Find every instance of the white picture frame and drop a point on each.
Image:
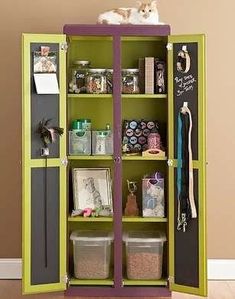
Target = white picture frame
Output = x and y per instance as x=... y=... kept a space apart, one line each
x=92 y=188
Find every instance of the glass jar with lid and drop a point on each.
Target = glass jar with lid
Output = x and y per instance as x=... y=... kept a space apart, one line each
x=79 y=73
x=109 y=76
x=96 y=81
x=130 y=81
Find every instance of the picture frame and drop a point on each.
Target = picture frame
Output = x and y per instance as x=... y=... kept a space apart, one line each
x=92 y=188
x=44 y=63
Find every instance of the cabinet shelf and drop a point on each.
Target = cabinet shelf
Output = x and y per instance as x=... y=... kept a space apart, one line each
x=110 y=219
x=141 y=38
x=90 y=157
x=75 y=281
x=109 y=157
x=90 y=219
x=159 y=282
x=141 y=158
x=110 y=96
x=144 y=96
x=143 y=219
x=90 y=95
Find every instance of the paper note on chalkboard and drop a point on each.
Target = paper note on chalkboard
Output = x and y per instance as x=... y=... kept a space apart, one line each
x=46 y=83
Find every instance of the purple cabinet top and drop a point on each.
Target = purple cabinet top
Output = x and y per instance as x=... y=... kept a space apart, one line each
x=93 y=29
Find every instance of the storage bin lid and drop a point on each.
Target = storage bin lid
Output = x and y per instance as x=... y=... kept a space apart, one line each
x=144 y=236
x=91 y=235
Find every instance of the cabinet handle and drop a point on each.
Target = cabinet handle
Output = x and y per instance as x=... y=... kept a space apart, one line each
x=64 y=162
x=117 y=160
x=170 y=162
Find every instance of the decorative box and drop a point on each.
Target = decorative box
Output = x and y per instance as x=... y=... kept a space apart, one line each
x=79 y=142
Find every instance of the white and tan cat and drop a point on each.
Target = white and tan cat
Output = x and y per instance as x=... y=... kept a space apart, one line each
x=144 y=14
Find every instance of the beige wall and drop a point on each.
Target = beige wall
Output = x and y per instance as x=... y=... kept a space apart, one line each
x=215 y=18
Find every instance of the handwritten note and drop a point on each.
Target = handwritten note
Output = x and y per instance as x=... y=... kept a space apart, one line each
x=184 y=84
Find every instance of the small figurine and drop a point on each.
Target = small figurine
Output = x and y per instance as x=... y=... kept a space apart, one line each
x=131 y=205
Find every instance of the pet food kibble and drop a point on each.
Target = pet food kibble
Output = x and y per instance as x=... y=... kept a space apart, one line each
x=144 y=265
x=91 y=254
x=144 y=251
x=91 y=265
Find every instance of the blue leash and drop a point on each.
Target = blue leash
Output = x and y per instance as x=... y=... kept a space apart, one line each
x=181 y=219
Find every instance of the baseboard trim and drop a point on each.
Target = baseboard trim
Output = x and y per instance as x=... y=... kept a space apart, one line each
x=223 y=269
x=10 y=268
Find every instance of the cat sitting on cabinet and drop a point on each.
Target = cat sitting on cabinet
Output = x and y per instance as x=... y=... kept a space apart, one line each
x=144 y=14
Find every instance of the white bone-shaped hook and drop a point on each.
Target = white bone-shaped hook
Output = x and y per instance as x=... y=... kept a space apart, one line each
x=184 y=48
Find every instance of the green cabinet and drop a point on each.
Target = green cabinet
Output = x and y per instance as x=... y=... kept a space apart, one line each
x=47 y=192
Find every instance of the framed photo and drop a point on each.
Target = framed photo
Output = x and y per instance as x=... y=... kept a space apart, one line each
x=44 y=64
x=92 y=188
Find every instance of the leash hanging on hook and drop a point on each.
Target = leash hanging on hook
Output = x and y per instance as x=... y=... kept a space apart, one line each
x=185 y=187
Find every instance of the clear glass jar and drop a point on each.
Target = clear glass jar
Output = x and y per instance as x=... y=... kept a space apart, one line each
x=130 y=81
x=109 y=76
x=96 y=81
x=79 y=73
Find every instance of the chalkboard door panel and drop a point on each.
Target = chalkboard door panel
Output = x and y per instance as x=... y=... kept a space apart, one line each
x=44 y=180
x=186 y=85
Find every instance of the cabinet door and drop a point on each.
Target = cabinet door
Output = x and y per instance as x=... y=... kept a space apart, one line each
x=186 y=83
x=44 y=180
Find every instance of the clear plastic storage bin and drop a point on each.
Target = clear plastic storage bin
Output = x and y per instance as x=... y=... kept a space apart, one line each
x=91 y=254
x=144 y=252
x=79 y=142
x=102 y=142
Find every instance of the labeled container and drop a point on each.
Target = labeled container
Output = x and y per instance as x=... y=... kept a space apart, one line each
x=91 y=254
x=79 y=72
x=102 y=142
x=96 y=81
x=144 y=254
x=130 y=81
x=79 y=142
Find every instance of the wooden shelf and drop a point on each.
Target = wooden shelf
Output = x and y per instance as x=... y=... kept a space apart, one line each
x=143 y=219
x=141 y=158
x=90 y=38
x=159 y=282
x=141 y=38
x=90 y=219
x=110 y=96
x=90 y=157
x=128 y=158
x=89 y=95
x=110 y=219
x=75 y=281
x=144 y=96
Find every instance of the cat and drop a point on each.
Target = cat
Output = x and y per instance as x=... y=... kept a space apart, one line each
x=145 y=14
